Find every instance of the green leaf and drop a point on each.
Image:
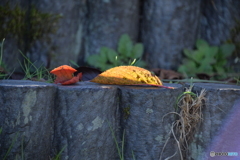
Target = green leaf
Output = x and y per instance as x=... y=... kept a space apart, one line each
x=103 y=57
x=140 y=63
x=198 y=56
x=201 y=43
x=96 y=61
x=188 y=53
x=227 y=49
x=93 y=59
x=221 y=62
x=205 y=67
x=110 y=54
x=125 y=46
x=213 y=51
x=189 y=67
x=137 y=50
x=219 y=70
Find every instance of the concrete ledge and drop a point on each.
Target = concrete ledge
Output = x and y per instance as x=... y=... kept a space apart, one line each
x=40 y=119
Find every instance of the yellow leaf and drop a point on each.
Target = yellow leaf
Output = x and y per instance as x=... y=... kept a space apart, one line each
x=127 y=75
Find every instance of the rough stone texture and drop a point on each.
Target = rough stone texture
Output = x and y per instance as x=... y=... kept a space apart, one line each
x=217 y=19
x=228 y=138
x=11 y=54
x=106 y=21
x=85 y=114
x=145 y=132
x=53 y=49
x=65 y=45
x=26 y=110
x=46 y=118
x=167 y=28
x=220 y=99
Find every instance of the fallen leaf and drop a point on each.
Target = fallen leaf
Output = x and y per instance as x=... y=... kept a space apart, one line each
x=88 y=73
x=128 y=75
x=64 y=75
x=75 y=79
x=166 y=74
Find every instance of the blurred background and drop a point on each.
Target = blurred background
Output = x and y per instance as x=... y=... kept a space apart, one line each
x=198 y=38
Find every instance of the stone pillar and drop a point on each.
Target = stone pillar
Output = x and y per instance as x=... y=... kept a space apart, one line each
x=64 y=45
x=168 y=27
x=106 y=21
x=85 y=116
x=217 y=20
x=146 y=132
x=26 y=112
x=220 y=99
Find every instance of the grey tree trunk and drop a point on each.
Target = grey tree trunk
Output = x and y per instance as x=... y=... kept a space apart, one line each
x=168 y=26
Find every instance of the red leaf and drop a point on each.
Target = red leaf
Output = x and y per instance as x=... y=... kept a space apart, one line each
x=64 y=75
x=73 y=80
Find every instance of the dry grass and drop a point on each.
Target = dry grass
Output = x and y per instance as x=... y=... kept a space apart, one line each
x=189 y=115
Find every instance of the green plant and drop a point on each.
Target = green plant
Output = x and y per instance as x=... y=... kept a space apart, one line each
x=11 y=146
x=58 y=156
x=74 y=63
x=127 y=54
x=237 y=80
x=206 y=59
x=188 y=116
x=126 y=112
x=120 y=150
x=35 y=73
x=1 y=53
x=3 y=75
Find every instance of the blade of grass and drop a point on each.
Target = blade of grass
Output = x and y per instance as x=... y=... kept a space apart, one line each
x=59 y=154
x=133 y=155
x=10 y=148
x=74 y=63
x=22 y=153
x=123 y=139
x=39 y=73
x=1 y=54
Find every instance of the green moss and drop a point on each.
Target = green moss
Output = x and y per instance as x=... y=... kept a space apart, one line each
x=126 y=112
x=26 y=25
